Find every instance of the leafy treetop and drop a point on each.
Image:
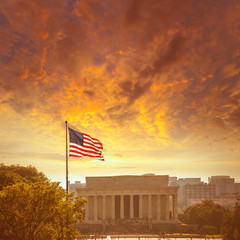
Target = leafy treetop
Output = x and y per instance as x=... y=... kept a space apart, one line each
x=33 y=208
x=12 y=174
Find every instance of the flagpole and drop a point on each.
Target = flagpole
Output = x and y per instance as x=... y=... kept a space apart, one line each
x=66 y=158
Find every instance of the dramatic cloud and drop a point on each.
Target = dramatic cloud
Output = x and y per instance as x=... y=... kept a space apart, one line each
x=171 y=56
x=145 y=76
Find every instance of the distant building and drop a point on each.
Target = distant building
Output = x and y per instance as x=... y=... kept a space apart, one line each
x=181 y=182
x=224 y=184
x=173 y=181
x=199 y=191
x=237 y=187
x=191 y=189
x=222 y=189
x=74 y=186
x=184 y=181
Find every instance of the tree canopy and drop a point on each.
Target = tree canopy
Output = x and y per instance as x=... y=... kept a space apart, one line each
x=231 y=226
x=12 y=174
x=213 y=218
x=206 y=213
x=34 y=208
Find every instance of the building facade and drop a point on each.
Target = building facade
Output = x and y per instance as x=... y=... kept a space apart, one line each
x=181 y=182
x=74 y=186
x=199 y=191
x=224 y=184
x=116 y=199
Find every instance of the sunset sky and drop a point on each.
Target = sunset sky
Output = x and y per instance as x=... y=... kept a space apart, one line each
x=156 y=81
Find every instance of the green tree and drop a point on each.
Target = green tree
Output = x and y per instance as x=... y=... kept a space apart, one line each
x=12 y=174
x=236 y=217
x=8 y=178
x=231 y=225
x=38 y=210
x=205 y=213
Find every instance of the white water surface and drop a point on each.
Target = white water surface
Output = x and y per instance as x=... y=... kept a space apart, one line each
x=150 y=238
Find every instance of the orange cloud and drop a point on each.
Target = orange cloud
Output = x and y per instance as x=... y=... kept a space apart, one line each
x=44 y=35
x=161 y=71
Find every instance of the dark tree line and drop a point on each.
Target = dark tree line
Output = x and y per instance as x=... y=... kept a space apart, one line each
x=212 y=218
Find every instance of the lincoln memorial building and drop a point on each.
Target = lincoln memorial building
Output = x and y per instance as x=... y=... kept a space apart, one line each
x=145 y=199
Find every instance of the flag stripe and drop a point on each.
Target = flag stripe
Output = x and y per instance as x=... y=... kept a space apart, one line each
x=82 y=145
x=79 y=155
x=82 y=150
x=86 y=143
x=85 y=153
x=88 y=136
x=73 y=154
x=94 y=143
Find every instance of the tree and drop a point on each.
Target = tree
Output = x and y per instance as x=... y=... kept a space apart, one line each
x=231 y=226
x=205 y=213
x=236 y=217
x=10 y=175
x=8 y=178
x=38 y=210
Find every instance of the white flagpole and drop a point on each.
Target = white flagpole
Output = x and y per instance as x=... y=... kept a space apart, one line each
x=66 y=157
x=67 y=166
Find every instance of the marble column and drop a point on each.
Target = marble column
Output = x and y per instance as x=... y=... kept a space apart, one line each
x=175 y=207
x=140 y=206
x=95 y=208
x=122 y=206
x=149 y=206
x=104 y=207
x=113 y=207
x=167 y=207
x=131 y=207
x=158 y=207
x=87 y=209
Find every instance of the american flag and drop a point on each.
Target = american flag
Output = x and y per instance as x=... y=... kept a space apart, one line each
x=83 y=145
